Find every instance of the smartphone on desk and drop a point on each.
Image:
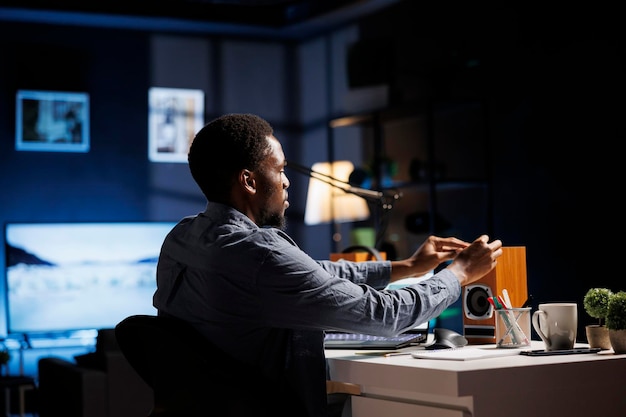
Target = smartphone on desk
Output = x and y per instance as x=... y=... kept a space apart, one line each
x=574 y=351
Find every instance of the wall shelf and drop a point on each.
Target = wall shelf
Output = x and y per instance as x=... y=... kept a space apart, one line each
x=429 y=153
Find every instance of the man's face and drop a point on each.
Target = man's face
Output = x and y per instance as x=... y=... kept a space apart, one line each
x=272 y=188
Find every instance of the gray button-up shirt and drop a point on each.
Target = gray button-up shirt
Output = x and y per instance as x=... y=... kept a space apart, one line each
x=237 y=283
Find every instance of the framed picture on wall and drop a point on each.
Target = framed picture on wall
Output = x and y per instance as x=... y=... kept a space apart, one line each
x=52 y=121
x=174 y=117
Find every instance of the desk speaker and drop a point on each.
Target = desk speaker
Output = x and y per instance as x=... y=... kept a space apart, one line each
x=479 y=325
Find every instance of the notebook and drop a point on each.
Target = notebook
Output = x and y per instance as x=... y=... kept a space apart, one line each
x=466 y=353
x=342 y=340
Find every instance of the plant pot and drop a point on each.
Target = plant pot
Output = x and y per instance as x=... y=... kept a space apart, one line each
x=598 y=336
x=618 y=340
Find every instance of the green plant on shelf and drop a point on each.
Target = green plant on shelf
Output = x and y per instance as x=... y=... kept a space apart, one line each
x=616 y=312
x=5 y=357
x=596 y=303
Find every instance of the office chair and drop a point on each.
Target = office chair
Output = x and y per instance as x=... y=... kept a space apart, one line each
x=191 y=377
x=173 y=360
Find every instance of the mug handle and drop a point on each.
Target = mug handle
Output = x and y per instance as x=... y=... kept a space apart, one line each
x=537 y=327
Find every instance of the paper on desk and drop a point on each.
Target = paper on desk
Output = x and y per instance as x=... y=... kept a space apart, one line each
x=465 y=353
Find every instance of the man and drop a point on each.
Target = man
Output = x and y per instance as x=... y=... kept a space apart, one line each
x=234 y=273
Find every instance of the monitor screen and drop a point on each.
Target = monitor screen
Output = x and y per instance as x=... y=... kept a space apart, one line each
x=63 y=277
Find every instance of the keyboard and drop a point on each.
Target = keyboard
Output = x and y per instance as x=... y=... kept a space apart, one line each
x=340 y=340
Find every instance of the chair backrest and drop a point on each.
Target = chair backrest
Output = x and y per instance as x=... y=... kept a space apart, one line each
x=192 y=377
x=173 y=360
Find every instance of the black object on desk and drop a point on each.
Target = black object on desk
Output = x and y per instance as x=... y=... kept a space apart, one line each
x=574 y=351
x=447 y=339
x=22 y=383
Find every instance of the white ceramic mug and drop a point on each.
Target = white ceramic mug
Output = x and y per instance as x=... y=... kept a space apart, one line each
x=556 y=324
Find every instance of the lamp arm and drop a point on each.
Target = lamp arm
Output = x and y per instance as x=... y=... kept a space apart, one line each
x=317 y=175
x=369 y=195
x=382 y=199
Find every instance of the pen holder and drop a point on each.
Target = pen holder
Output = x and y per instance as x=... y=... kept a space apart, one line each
x=513 y=327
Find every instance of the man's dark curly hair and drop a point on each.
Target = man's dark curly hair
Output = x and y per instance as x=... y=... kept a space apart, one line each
x=224 y=147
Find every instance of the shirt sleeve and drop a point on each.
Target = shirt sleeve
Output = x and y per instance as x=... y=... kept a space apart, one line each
x=304 y=293
x=376 y=274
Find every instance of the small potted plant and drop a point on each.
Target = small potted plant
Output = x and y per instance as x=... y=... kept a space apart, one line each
x=596 y=303
x=5 y=357
x=616 y=321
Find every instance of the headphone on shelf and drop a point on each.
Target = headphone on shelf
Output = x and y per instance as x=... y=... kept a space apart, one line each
x=362 y=248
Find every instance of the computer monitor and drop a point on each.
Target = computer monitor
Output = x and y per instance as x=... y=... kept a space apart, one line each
x=64 y=277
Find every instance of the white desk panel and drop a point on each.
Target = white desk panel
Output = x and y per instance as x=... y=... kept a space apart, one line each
x=566 y=385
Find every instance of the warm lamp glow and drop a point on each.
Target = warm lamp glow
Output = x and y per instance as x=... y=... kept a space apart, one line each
x=326 y=203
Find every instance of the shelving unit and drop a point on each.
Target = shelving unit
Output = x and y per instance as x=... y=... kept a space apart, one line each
x=437 y=157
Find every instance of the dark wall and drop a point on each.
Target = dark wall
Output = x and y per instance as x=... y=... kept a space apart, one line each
x=110 y=181
x=553 y=81
x=114 y=181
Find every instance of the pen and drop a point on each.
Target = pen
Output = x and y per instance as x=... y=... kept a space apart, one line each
x=528 y=301
x=503 y=305
x=383 y=354
x=511 y=321
x=507 y=300
x=505 y=294
x=507 y=319
x=386 y=355
x=509 y=329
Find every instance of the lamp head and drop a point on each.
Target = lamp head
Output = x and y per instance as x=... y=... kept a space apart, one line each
x=327 y=202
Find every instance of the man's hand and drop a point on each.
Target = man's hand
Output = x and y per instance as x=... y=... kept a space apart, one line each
x=428 y=256
x=477 y=260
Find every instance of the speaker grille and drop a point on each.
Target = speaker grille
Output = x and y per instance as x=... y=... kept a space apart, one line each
x=477 y=306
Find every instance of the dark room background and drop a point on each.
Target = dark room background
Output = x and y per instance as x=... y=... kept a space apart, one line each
x=550 y=85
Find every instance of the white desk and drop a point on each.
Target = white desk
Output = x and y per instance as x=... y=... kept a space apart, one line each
x=590 y=385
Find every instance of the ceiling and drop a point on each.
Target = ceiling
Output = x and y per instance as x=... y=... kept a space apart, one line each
x=286 y=18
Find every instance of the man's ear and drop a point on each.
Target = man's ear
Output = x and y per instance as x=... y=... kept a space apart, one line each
x=246 y=179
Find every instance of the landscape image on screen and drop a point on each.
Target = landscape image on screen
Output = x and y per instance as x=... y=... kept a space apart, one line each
x=78 y=276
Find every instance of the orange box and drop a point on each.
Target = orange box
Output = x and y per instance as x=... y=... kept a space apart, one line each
x=356 y=256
